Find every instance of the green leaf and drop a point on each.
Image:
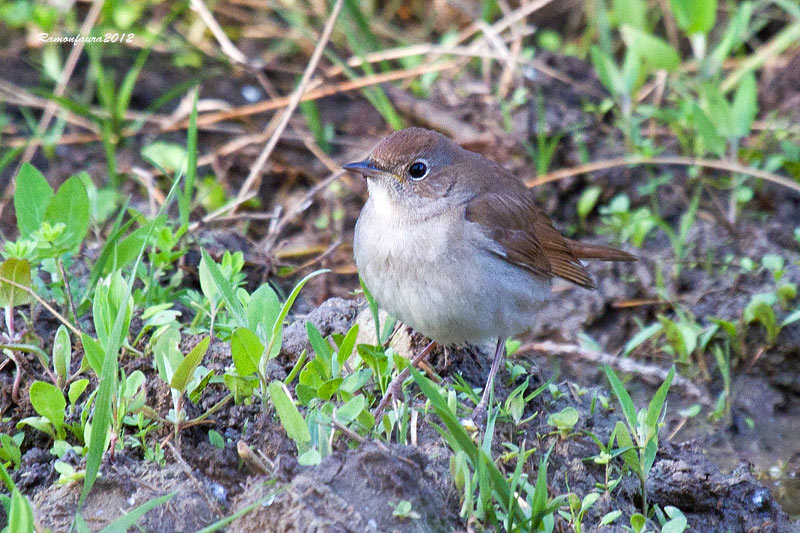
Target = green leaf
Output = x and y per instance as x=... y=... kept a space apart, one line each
x=110 y=300
x=322 y=349
x=745 y=106
x=246 y=350
x=630 y=12
x=70 y=206
x=275 y=339
x=791 y=318
x=18 y=271
x=610 y=517
x=310 y=457
x=588 y=200
x=677 y=522
x=329 y=388
x=638 y=522
x=655 y=53
x=625 y=442
x=93 y=353
x=62 y=353
x=564 y=419
x=185 y=371
x=695 y=16
x=225 y=289
x=608 y=72
x=641 y=337
x=622 y=395
x=350 y=411
x=20 y=514
x=76 y=388
x=185 y=199
x=347 y=345
x=734 y=36
x=263 y=309
x=167 y=156
x=31 y=198
x=48 y=401
x=681 y=335
x=291 y=419
x=657 y=402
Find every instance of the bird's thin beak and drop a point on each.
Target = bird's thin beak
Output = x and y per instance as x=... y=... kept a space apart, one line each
x=366 y=168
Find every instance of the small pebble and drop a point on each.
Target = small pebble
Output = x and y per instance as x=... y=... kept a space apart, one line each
x=251 y=93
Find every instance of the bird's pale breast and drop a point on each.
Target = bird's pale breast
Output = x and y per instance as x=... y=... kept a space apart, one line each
x=433 y=276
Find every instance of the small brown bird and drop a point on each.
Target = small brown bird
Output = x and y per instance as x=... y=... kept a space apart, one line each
x=453 y=244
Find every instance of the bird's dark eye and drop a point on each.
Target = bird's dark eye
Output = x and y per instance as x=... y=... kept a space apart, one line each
x=417 y=170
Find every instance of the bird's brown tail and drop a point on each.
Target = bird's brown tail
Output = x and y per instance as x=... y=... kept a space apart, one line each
x=582 y=250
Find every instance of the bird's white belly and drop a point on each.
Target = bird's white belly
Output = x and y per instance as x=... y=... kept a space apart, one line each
x=433 y=277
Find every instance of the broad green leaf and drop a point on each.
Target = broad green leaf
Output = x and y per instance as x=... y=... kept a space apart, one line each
x=185 y=371
x=695 y=16
x=62 y=353
x=655 y=53
x=20 y=514
x=246 y=350
x=70 y=206
x=48 y=401
x=630 y=12
x=290 y=417
x=31 y=198
x=19 y=272
x=76 y=388
x=167 y=156
x=610 y=517
x=310 y=457
x=350 y=411
x=564 y=419
x=625 y=441
x=263 y=308
x=93 y=353
x=588 y=201
x=329 y=388
x=638 y=521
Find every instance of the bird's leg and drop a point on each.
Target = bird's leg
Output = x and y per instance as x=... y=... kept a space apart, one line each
x=479 y=413
x=396 y=384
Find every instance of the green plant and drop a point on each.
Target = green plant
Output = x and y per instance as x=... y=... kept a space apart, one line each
x=639 y=432
x=564 y=421
x=259 y=329
x=578 y=508
x=183 y=374
x=326 y=393
x=497 y=499
x=605 y=457
x=10 y=452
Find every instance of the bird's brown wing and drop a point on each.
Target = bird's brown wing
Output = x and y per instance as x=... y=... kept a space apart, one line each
x=526 y=237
